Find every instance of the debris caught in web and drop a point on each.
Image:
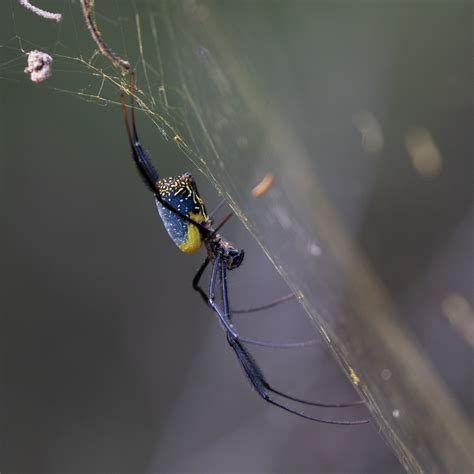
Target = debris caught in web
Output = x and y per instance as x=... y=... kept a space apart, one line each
x=39 y=66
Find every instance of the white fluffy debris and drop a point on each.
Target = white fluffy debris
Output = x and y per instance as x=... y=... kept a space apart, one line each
x=39 y=66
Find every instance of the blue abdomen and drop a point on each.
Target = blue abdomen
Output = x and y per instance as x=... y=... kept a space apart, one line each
x=182 y=194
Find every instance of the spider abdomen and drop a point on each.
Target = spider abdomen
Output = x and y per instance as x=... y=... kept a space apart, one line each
x=182 y=194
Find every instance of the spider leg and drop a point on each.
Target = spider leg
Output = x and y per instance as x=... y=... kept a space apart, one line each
x=227 y=324
x=272 y=304
x=254 y=369
x=225 y=299
x=223 y=222
x=257 y=308
x=200 y=271
x=216 y=209
x=143 y=163
x=197 y=278
x=324 y=405
x=256 y=378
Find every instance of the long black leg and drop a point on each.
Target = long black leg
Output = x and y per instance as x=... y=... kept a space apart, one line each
x=256 y=308
x=223 y=222
x=254 y=367
x=197 y=278
x=289 y=397
x=324 y=405
x=262 y=387
x=200 y=271
x=145 y=166
x=212 y=296
x=216 y=209
x=224 y=293
x=206 y=299
x=226 y=323
x=272 y=304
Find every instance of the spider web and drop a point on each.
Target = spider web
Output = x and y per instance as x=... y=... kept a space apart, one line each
x=200 y=84
x=80 y=70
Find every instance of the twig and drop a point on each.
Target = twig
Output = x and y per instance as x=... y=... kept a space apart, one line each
x=38 y=11
x=114 y=58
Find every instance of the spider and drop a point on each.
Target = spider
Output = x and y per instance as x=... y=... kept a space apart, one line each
x=187 y=222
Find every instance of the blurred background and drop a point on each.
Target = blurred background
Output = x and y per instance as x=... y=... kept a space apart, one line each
x=363 y=113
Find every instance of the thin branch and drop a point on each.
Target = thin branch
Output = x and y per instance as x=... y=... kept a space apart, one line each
x=114 y=58
x=38 y=11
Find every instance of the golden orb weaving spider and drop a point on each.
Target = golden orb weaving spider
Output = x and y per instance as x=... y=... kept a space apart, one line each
x=185 y=218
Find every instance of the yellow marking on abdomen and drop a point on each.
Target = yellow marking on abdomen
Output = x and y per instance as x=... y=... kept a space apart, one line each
x=194 y=238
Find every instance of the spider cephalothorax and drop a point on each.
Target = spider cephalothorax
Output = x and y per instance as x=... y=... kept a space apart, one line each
x=232 y=257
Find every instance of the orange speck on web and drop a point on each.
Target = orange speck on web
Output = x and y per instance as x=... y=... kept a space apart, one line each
x=263 y=186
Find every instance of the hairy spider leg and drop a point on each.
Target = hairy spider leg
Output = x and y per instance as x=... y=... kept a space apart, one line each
x=255 y=374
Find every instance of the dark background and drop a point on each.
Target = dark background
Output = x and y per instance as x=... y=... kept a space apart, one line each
x=109 y=361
